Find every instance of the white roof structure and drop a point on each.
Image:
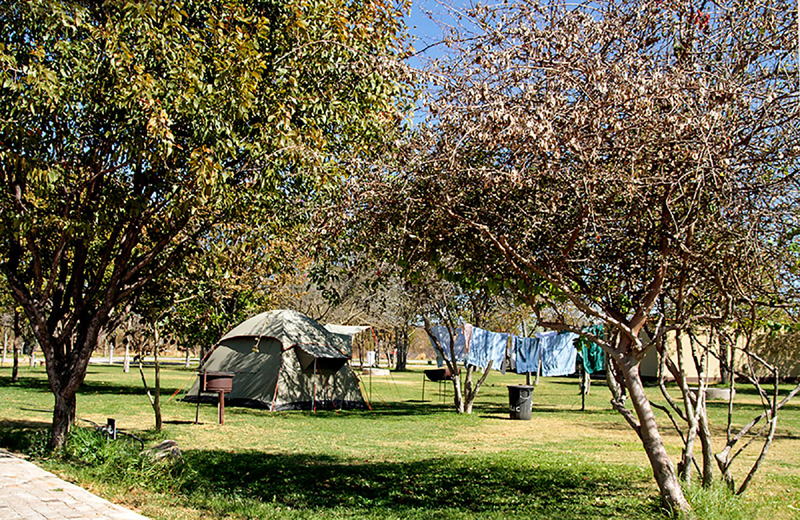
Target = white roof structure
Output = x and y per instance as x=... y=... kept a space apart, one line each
x=347 y=330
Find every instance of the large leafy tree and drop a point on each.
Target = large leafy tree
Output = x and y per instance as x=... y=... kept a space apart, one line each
x=609 y=154
x=130 y=129
x=237 y=271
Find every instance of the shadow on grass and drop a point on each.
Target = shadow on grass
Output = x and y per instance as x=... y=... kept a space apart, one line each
x=755 y=408
x=409 y=409
x=20 y=435
x=27 y=383
x=41 y=385
x=500 y=486
x=391 y=409
x=256 y=484
x=101 y=387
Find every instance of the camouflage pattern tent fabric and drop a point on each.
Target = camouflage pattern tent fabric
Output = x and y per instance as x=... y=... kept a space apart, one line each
x=284 y=360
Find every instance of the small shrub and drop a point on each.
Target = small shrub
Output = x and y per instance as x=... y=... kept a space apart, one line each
x=85 y=446
x=38 y=444
x=120 y=461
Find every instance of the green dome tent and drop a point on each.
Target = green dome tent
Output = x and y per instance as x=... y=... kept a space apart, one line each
x=284 y=360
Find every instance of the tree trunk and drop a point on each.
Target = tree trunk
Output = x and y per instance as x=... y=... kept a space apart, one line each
x=402 y=349
x=724 y=365
x=360 y=354
x=688 y=459
x=458 y=399
x=470 y=391
x=708 y=453
x=663 y=470
x=525 y=335
x=66 y=369
x=154 y=401
x=157 y=389
x=187 y=362
x=17 y=346
x=126 y=362
x=612 y=380
x=15 y=364
x=63 y=417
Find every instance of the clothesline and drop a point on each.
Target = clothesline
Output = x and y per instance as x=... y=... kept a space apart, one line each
x=556 y=351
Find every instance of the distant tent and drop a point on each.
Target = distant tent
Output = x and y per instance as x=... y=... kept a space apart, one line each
x=284 y=360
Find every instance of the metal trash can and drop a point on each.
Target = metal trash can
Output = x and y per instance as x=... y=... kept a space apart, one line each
x=520 y=402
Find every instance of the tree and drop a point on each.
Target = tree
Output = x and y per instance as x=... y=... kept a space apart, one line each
x=605 y=155
x=341 y=286
x=450 y=305
x=129 y=129
x=237 y=271
x=748 y=339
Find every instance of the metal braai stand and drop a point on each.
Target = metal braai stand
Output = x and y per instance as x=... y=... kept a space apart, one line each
x=220 y=382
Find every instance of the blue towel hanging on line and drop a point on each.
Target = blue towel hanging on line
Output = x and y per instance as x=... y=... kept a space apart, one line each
x=488 y=346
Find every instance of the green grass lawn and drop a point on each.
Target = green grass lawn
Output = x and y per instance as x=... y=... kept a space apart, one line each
x=407 y=458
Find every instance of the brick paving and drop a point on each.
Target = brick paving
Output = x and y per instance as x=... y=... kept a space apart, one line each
x=28 y=492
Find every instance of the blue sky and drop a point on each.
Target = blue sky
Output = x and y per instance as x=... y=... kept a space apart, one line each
x=425 y=31
x=420 y=25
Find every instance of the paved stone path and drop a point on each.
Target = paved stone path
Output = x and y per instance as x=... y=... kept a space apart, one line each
x=28 y=492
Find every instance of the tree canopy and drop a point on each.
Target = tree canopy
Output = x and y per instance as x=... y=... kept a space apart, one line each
x=129 y=129
x=637 y=159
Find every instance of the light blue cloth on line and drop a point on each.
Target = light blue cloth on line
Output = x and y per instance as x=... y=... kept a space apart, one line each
x=528 y=351
x=443 y=336
x=559 y=355
x=488 y=346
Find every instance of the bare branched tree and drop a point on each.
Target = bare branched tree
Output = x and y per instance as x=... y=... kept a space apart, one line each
x=607 y=154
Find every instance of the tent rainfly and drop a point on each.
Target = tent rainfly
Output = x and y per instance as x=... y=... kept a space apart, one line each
x=284 y=360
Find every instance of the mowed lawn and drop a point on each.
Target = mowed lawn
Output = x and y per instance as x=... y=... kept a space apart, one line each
x=406 y=458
